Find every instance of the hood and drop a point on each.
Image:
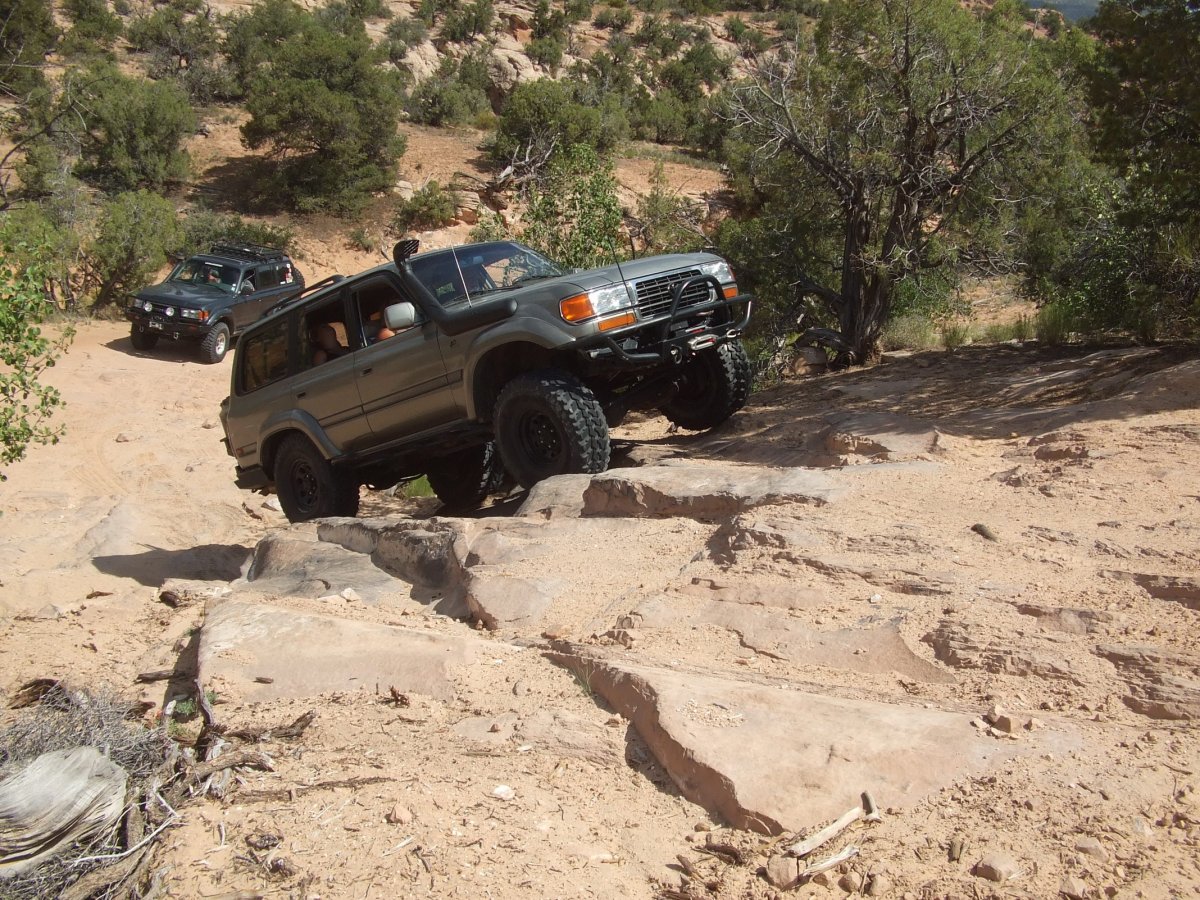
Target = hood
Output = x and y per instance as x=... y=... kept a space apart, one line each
x=194 y=296
x=635 y=269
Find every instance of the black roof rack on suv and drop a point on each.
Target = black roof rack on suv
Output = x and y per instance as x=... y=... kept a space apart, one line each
x=248 y=252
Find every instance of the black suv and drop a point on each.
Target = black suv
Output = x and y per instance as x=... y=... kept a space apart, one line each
x=475 y=364
x=213 y=297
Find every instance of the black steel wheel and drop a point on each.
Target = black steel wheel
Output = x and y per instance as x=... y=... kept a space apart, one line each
x=308 y=486
x=712 y=387
x=463 y=480
x=549 y=423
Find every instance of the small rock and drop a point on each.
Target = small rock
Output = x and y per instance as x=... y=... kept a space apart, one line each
x=701 y=826
x=998 y=867
x=503 y=792
x=1092 y=847
x=1075 y=888
x=783 y=872
x=399 y=815
x=822 y=879
x=956 y=849
x=272 y=503
x=850 y=882
x=521 y=688
x=626 y=637
x=879 y=886
x=123 y=438
x=263 y=840
x=351 y=594
x=1141 y=828
x=984 y=532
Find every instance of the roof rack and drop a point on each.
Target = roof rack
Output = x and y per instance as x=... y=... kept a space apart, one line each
x=248 y=252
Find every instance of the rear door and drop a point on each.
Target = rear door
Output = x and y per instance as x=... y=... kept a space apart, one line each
x=401 y=379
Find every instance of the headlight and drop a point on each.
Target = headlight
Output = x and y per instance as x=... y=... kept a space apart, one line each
x=148 y=306
x=719 y=270
x=169 y=311
x=200 y=315
x=594 y=303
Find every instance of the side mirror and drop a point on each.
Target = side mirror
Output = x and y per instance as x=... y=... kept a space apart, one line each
x=247 y=288
x=399 y=316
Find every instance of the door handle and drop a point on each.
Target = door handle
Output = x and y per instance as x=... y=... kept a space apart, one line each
x=368 y=370
x=301 y=395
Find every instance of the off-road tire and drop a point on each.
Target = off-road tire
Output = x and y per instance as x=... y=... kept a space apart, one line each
x=308 y=486
x=141 y=338
x=549 y=423
x=463 y=480
x=713 y=386
x=215 y=344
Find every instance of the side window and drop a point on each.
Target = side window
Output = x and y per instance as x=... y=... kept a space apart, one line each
x=440 y=274
x=324 y=334
x=264 y=356
x=267 y=277
x=371 y=299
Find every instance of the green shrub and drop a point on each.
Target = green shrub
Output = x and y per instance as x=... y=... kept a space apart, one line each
x=417 y=488
x=360 y=239
x=545 y=51
x=136 y=232
x=955 y=334
x=429 y=207
x=1054 y=323
x=203 y=228
x=135 y=133
x=578 y=10
x=26 y=405
x=466 y=22
x=545 y=113
x=404 y=34
x=909 y=332
x=327 y=113
x=615 y=19
x=94 y=28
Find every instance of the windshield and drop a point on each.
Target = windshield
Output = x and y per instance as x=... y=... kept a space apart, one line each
x=199 y=271
x=479 y=269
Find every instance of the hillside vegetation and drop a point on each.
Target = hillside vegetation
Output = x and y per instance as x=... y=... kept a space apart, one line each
x=875 y=154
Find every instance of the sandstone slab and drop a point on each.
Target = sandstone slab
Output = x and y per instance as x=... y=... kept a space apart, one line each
x=955 y=646
x=702 y=492
x=871 y=650
x=263 y=652
x=770 y=759
x=1162 y=682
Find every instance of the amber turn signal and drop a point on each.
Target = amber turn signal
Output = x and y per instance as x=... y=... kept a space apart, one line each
x=577 y=308
x=730 y=291
x=618 y=321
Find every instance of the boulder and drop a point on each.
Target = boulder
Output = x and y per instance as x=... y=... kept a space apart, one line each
x=295 y=563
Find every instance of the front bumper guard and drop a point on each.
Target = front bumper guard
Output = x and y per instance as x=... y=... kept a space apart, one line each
x=674 y=347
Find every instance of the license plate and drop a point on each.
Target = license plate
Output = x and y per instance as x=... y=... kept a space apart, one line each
x=155 y=325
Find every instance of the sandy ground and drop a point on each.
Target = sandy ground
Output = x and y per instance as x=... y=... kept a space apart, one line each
x=1081 y=479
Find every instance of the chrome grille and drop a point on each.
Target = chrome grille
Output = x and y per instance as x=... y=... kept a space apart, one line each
x=654 y=294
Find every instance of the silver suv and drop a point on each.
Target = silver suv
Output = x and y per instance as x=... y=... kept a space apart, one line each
x=476 y=364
